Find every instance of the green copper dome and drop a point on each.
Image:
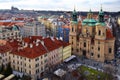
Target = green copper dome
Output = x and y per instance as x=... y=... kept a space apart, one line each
x=83 y=24
x=14 y=28
x=90 y=24
x=92 y=21
x=86 y=20
x=102 y=24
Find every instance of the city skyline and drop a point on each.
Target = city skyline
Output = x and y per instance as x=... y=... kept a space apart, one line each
x=62 y=5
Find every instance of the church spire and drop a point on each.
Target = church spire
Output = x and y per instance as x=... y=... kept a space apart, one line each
x=101 y=15
x=89 y=15
x=101 y=8
x=74 y=15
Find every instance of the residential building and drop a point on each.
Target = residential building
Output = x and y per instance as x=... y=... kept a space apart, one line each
x=4 y=52
x=35 y=54
x=33 y=29
x=94 y=40
x=63 y=32
x=7 y=32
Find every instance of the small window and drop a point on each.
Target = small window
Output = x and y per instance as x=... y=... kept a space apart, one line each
x=84 y=44
x=98 y=55
x=92 y=54
x=110 y=50
x=98 y=48
x=98 y=42
x=77 y=50
x=72 y=29
x=72 y=49
x=99 y=33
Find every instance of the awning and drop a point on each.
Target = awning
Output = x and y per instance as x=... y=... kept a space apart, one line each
x=70 y=58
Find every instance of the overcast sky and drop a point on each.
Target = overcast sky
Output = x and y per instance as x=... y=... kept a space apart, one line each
x=81 y=5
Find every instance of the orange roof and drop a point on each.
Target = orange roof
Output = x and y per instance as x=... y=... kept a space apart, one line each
x=109 y=34
x=50 y=44
x=32 y=38
x=11 y=23
x=19 y=23
x=66 y=26
x=5 y=48
x=28 y=52
x=61 y=43
x=19 y=18
x=35 y=50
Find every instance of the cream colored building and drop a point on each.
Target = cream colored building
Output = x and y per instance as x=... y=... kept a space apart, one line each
x=33 y=29
x=95 y=40
x=33 y=55
x=9 y=32
x=4 y=52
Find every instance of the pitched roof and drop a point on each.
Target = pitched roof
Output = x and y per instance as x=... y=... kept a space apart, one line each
x=109 y=34
x=5 y=47
x=49 y=44
x=28 y=52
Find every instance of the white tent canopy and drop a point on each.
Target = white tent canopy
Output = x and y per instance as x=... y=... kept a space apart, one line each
x=60 y=72
x=70 y=58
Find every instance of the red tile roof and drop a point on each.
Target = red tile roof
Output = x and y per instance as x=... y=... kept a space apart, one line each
x=66 y=26
x=109 y=34
x=28 y=52
x=5 y=48
x=19 y=19
x=50 y=44
x=35 y=51
x=61 y=43
x=8 y=24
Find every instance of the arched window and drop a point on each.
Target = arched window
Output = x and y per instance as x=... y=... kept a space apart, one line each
x=72 y=29
x=84 y=44
x=99 y=33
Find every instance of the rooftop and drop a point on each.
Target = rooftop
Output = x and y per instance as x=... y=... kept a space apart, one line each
x=34 y=46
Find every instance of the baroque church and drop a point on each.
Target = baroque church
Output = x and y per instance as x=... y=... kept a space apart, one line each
x=94 y=40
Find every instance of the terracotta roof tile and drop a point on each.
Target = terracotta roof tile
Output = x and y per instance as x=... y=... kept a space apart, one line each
x=35 y=50
x=109 y=34
x=5 y=48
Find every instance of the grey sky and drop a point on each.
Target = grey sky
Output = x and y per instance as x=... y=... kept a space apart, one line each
x=81 y=5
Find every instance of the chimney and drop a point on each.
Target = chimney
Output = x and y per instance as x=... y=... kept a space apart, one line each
x=37 y=40
x=52 y=38
x=37 y=44
x=42 y=42
x=57 y=38
x=31 y=45
x=26 y=44
x=61 y=38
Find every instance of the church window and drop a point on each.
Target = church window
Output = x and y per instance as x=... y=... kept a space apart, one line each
x=72 y=29
x=77 y=50
x=99 y=33
x=98 y=55
x=98 y=48
x=98 y=42
x=110 y=50
x=72 y=49
x=84 y=44
x=92 y=54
